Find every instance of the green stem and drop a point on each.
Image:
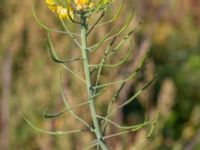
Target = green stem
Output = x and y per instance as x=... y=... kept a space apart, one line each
x=84 y=28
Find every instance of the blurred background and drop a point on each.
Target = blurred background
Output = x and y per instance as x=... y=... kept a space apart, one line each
x=170 y=30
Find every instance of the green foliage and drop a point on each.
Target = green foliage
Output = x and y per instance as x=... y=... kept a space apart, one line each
x=173 y=31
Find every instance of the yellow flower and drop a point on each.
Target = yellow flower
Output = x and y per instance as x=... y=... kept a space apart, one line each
x=62 y=12
x=51 y=5
x=83 y=4
x=50 y=2
x=59 y=9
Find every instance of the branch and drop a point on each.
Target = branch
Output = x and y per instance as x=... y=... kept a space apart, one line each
x=53 y=54
x=50 y=132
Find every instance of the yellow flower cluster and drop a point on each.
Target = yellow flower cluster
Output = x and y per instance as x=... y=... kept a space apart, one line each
x=65 y=12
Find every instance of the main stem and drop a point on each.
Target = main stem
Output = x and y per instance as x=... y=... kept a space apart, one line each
x=84 y=27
